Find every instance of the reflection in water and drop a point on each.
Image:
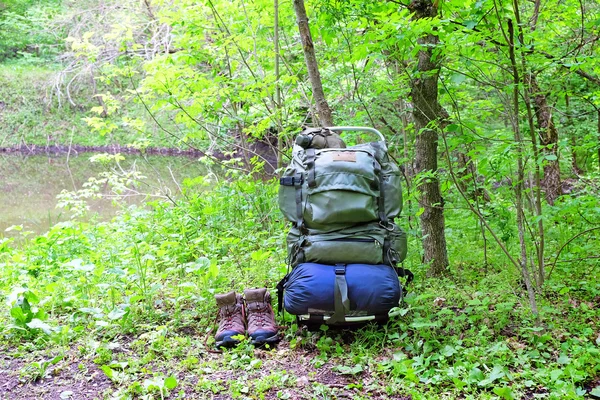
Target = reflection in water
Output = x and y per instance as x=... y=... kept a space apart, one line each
x=29 y=185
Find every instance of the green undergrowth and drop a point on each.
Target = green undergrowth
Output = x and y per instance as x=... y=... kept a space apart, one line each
x=133 y=298
x=35 y=110
x=24 y=113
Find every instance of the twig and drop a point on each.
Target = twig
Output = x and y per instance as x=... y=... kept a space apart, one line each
x=565 y=245
x=473 y=210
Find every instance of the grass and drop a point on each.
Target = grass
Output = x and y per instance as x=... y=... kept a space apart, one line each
x=124 y=309
x=26 y=113
x=30 y=113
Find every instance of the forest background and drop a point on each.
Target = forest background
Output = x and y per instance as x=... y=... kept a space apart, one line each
x=492 y=108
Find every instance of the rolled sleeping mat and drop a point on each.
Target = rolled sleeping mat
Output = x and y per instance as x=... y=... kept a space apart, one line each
x=342 y=293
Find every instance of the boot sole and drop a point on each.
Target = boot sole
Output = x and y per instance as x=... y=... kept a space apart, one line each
x=261 y=342
x=227 y=342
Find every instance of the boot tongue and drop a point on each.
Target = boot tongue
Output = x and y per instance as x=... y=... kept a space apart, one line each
x=226 y=300
x=255 y=295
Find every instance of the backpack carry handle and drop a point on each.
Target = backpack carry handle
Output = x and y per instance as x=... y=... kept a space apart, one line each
x=357 y=129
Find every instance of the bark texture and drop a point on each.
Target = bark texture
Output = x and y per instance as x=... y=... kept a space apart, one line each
x=427 y=112
x=572 y=139
x=324 y=112
x=548 y=136
x=467 y=172
x=519 y=187
x=598 y=138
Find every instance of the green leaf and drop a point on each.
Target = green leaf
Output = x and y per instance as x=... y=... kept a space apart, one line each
x=458 y=383
x=457 y=78
x=470 y=24
x=116 y=314
x=357 y=369
x=564 y=290
x=119 y=365
x=424 y=324
x=563 y=359
x=555 y=374
x=476 y=375
x=342 y=369
x=213 y=270
x=107 y=371
x=497 y=373
x=18 y=315
x=504 y=392
x=14 y=228
x=56 y=359
x=448 y=351
x=154 y=384
x=30 y=296
x=595 y=391
x=171 y=383
x=453 y=128
x=39 y=324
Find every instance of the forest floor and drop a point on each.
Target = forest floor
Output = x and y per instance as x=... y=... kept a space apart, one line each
x=245 y=372
x=164 y=361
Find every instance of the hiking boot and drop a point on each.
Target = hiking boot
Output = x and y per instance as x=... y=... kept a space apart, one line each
x=261 y=320
x=231 y=319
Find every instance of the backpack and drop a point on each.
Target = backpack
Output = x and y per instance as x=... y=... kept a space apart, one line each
x=343 y=246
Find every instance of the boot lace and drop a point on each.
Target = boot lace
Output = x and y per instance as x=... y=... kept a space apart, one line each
x=227 y=317
x=226 y=320
x=259 y=315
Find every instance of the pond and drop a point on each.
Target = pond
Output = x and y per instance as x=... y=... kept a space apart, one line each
x=29 y=185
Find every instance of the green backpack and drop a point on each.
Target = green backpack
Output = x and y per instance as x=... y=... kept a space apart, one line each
x=342 y=202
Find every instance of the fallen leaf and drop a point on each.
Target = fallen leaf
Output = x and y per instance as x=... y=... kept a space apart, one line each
x=439 y=302
x=302 y=381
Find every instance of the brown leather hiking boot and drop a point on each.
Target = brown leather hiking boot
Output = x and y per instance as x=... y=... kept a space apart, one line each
x=261 y=320
x=231 y=319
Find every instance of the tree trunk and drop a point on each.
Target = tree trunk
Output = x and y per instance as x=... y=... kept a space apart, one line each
x=426 y=113
x=598 y=138
x=519 y=187
x=531 y=82
x=468 y=172
x=277 y=87
x=572 y=140
x=324 y=117
x=548 y=140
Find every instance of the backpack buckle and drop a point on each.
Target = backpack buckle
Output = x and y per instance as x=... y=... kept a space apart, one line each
x=291 y=180
x=388 y=226
x=340 y=269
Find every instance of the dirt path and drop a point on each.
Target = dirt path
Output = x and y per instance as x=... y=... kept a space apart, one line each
x=200 y=374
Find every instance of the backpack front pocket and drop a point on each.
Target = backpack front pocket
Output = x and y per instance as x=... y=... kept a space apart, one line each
x=354 y=245
x=344 y=189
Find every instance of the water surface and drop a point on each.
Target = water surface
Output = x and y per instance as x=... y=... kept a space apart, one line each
x=29 y=185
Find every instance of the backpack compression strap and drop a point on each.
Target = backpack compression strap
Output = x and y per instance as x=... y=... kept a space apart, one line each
x=299 y=213
x=381 y=201
x=340 y=295
x=296 y=181
x=310 y=167
x=280 y=288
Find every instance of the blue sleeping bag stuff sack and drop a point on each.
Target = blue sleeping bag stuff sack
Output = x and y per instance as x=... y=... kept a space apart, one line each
x=342 y=293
